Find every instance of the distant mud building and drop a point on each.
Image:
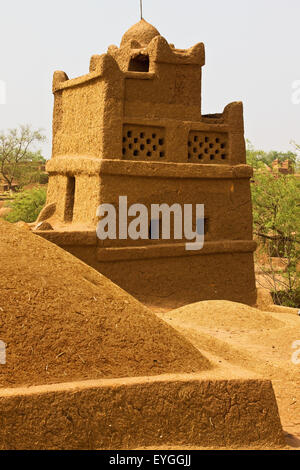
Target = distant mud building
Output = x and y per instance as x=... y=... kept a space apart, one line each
x=133 y=126
x=284 y=168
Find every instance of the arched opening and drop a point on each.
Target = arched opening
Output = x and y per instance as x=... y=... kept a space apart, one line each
x=140 y=63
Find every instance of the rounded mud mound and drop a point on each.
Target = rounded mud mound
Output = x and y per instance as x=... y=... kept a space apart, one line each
x=225 y=315
x=63 y=321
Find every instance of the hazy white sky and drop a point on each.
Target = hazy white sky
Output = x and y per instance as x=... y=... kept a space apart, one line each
x=252 y=54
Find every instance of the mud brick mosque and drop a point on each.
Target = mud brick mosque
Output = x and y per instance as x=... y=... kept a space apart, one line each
x=133 y=126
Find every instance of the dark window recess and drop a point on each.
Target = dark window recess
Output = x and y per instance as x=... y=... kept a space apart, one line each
x=139 y=63
x=206 y=225
x=70 y=197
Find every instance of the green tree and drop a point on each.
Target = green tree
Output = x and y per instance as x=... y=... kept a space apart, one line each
x=282 y=156
x=297 y=149
x=36 y=157
x=30 y=172
x=26 y=205
x=260 y=158
x=255 y=158
x=276 y=219
x=16 y=149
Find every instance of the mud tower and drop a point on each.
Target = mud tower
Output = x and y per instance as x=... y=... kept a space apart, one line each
x=133 y=126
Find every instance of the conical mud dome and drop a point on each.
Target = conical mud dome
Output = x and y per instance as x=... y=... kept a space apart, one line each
x=63 y=321
x=142 y=32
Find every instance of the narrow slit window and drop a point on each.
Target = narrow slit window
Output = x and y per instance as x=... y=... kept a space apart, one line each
x=70 y=198
x=206 y=225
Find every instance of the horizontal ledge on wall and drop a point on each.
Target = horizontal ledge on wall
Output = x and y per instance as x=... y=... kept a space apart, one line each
x=69 y=238
x=74 y=82
x=174 y=250
x=205 y=125
x=32 y=407
x=140 y=75
x=93 y=166
x=162 y=250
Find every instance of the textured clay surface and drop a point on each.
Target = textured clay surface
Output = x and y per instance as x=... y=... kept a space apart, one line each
x=198 y=411
x=62 y=321
x=225 y=315
x=236 y=335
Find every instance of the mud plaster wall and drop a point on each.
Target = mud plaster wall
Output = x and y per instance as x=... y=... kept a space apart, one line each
x=78 y=120
x=171 y=282
x=174 y=93
x=135 y=413
x=142 y=134
x=227 y=202
x=57 y=193
x=87 y=199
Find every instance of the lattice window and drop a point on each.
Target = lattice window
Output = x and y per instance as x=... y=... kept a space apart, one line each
x=143 y=142
x=208 y=147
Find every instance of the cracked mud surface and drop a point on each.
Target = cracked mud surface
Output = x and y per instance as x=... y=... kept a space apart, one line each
x=235 y=335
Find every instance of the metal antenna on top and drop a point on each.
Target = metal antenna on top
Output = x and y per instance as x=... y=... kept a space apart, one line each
x=141 y=8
